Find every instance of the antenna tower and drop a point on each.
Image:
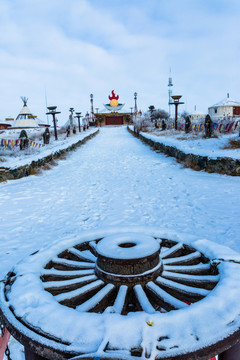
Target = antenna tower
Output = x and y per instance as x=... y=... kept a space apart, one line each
x=170 y=84
x=92 y=111
x=135 y=103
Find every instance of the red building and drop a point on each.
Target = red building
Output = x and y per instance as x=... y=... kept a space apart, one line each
x=7 y=123
x=113 y=115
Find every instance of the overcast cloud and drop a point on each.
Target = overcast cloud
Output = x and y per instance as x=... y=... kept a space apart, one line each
x=71 y=48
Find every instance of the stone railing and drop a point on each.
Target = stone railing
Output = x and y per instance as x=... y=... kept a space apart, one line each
x=35 y=165
x=221 y=165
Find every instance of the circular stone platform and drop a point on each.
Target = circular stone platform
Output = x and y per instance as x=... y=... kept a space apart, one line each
x=125 y=293
x=128 y=258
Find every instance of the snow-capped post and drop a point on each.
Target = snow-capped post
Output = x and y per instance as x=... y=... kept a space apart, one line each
x=92 y=111
x=176 y=102
x=71 y=120
x=78 y=116
x=208 y=126
x=46 y=136
x=23 y=140
x=53 y=112
x=187 y=124
x=87 y=121
x=137 y=121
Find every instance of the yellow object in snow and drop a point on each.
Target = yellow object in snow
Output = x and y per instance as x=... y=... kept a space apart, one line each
x=150 y=323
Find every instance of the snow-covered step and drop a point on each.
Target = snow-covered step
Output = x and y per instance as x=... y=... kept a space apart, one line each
x=67 y=285
x=143 y=299
x=204 y=281
x=54 y=274
x=189 y=291
x=93 y=245
x=85 y=255
x=191 y=269
x=96 y=299
x=166 y=300
x=186 y=259
x=120 y=299
x=61 y=263
x=71 y=297
x=171 y=251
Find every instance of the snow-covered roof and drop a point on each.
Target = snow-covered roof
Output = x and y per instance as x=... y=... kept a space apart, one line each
x=5 y=122
x=113 y=110
x=25 y=123
x=226 y=102
x=197 y=112
x=25 y=119
x=41 y=122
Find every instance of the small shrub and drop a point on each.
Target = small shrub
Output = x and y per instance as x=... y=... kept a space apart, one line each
x=233 y=144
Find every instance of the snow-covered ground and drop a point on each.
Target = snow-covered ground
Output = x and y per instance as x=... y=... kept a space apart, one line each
x=115 y=180
x=111 y=180
x=12 y=158
x=197 y=144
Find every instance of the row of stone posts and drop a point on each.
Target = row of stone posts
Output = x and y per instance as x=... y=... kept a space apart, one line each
x=71 y=129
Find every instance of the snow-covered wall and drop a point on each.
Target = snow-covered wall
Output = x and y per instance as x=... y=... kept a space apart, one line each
x=221 y=165
x=30 y=168
x=220 y=111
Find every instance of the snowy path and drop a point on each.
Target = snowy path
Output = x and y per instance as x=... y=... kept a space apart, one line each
x=114 y=179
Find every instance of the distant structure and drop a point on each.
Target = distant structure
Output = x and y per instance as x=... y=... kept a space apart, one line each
x=7 y=123
x=224 y=109
x=135 y=103
x=112 y=115
x=92 y=111
x=170 y=85
x=71 y=122
x=25 y=118
x=196 y=115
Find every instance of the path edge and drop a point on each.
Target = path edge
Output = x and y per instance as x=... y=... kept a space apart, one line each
x=220 y=165
x=30 y=169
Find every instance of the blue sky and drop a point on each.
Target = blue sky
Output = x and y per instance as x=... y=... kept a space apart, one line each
x=73 y=48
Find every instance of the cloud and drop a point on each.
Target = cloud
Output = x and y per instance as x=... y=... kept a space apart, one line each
x=77 y=47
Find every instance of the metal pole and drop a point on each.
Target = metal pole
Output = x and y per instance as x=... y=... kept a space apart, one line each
x=176 y=115
x=92 y=111
x=55 y=127
x=135 y=102
x=53 y=112
x=78 y=116
x=176 y=102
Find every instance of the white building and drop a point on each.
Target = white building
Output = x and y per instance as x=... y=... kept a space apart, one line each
x=196 y=115
x=227 y=108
